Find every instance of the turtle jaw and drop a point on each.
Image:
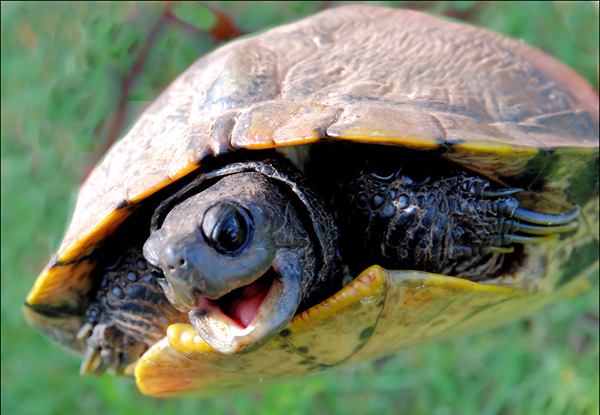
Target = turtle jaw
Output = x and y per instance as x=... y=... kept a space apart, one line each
x=248 y=317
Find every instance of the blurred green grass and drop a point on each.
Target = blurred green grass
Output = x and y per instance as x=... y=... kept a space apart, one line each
x=63 y=66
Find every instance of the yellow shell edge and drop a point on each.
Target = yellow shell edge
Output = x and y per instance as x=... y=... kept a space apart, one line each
x=351 y=325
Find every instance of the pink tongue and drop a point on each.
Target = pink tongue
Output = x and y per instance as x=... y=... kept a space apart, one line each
x=247 y=302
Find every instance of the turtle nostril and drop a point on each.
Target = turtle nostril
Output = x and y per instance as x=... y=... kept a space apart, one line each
x=180 y=263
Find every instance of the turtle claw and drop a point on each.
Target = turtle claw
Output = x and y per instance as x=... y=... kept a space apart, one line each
x=542 y=230
x=91 y=361
x=542 y=227
x=110 y=358
x=491 y=194
x=107 y=349
x=536 y=227
x=547 y=219
x=501 y=249
x=85 y=331
x=510 y=239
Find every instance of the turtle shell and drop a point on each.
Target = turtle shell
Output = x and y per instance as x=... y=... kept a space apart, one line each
x=486 y=102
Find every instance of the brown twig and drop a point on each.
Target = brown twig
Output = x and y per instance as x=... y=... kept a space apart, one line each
x=116 y=126
x=224 y=28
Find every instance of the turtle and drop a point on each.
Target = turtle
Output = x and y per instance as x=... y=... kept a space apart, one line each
x=323 y=193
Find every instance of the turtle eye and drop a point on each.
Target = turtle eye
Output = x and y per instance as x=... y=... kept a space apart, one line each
x=156 y=273
x=226 y=227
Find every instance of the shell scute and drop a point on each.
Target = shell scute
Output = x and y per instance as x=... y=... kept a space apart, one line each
x=280 y=124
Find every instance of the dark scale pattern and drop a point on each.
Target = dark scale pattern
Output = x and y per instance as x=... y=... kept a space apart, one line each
x=442 y=224
x=130 y=312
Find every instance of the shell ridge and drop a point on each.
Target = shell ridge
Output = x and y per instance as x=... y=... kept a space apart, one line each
x=443 y=139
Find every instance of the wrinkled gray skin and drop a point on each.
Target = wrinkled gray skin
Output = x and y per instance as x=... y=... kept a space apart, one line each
x=195 y=270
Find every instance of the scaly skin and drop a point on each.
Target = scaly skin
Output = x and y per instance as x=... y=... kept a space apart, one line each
x=129 y=314
x=448 y=222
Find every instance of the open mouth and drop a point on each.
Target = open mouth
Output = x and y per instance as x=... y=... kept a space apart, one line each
x=242 y=304
x=250 y=316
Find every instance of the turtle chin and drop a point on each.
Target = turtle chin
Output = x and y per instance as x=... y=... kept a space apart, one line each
x=248 y=317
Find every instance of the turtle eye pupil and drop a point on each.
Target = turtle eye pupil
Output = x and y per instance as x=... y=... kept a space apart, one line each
x=226 y=228
x=233 y=232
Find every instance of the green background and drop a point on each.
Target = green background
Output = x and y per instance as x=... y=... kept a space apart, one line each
x=74 y=75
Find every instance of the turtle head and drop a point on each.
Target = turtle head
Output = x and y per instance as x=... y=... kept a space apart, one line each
x=237 y=258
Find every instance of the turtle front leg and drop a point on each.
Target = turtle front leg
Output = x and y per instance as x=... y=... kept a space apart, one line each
x=452 y=223
x=129 y=314
x=108 y=348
